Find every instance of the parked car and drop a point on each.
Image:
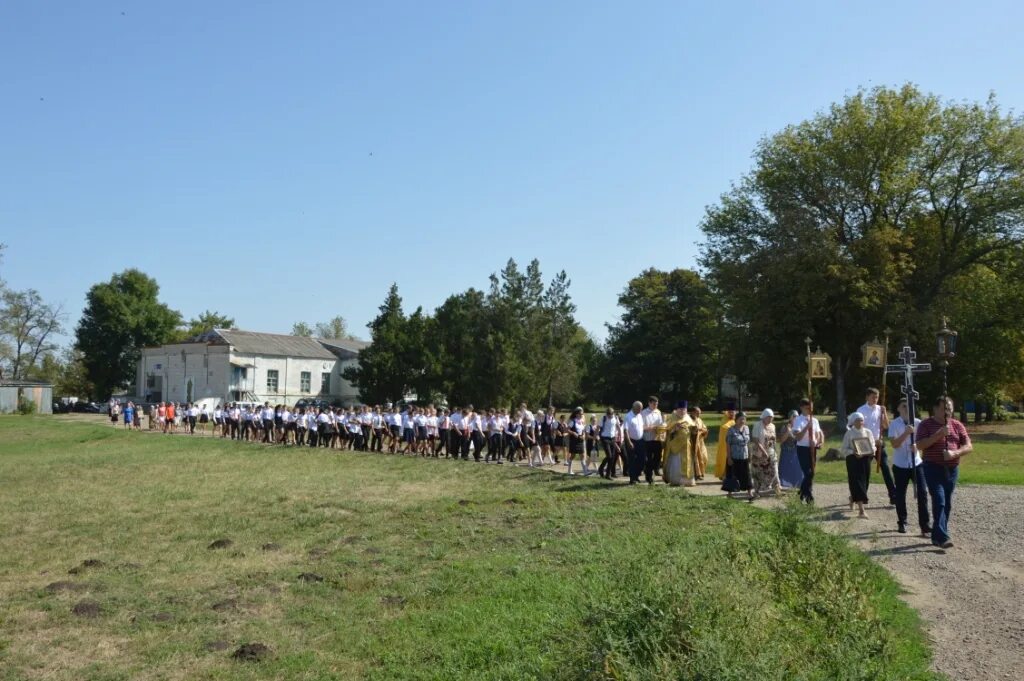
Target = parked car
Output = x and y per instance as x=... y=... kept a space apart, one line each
x=82 y=407
x=312 y=403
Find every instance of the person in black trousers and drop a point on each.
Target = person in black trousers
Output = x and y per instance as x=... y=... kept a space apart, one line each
x=905 y=468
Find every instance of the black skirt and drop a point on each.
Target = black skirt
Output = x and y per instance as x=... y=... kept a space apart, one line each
x=738 y=477
x=858 y=473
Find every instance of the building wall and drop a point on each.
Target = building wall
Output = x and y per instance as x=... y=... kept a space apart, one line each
x=209 y=367
x=42 y=395
x=289 y=378
x=206 y=366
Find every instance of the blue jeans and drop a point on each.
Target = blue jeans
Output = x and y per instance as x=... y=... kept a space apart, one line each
x=803 y=454
x=941 y=481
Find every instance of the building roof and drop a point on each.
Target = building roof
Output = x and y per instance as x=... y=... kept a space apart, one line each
x=250 y=342
x=343 y=347
x=254 y=343
x=24 y=383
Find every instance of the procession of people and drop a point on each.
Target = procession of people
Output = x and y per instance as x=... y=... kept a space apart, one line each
x=643 y=444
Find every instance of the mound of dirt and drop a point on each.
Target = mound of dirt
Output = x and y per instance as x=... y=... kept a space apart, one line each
x=251 y=652
x=221 y=606
x=310 y=577
x=271 y=547
x=221 y=544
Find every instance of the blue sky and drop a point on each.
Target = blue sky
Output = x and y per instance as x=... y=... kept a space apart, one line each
x=287 y=161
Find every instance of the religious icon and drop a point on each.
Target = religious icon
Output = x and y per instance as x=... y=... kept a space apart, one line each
x=820 y=365
x=862 y=447
x=873 y=355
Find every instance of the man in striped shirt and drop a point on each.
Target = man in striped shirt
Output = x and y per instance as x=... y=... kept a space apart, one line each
x=942 y=441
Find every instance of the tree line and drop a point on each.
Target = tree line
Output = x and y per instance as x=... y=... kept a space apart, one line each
x=889 y=210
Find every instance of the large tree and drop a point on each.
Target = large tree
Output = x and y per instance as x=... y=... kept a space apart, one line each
x=664 y=342
x=28 y=328
x=121 y=317
x=388 y=367
x=873 y=214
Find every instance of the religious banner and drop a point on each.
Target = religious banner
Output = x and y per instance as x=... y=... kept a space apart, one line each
x=819 y=365
x=873 y=355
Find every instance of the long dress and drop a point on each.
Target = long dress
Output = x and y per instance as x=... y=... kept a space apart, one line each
x=762 y=465
x=722 y=455
x=701 y=455
x=677 y=444
x=790 y=473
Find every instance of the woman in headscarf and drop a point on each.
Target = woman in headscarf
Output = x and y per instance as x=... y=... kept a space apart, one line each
x=763 y=463
x=859 y=448
x=790 y=473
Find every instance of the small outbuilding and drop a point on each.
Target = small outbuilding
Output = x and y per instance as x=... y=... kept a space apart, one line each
x=12 y=392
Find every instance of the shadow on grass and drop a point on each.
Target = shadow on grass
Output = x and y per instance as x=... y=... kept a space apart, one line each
x=997 y=437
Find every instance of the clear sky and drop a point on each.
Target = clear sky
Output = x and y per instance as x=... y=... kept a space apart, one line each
x=284 y=161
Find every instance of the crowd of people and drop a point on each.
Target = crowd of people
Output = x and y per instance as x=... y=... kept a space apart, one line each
x=926 y=454
x=643 y=444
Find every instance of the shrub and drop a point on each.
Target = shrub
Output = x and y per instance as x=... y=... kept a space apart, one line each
x=26 y=406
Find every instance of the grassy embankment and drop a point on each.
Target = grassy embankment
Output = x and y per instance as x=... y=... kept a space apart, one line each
x=430 y=570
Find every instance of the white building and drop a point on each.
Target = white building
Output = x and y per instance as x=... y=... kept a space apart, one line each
x=231 y=365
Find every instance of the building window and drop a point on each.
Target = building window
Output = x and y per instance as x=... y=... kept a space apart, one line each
x=151 y=381
x=304 y=380
x=325 y=383
x=272 y=380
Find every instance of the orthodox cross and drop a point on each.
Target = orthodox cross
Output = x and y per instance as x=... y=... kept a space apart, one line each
x=908 y=368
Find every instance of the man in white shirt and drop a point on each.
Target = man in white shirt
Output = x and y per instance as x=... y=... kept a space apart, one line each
x=877 y=421
x=654 y=424
x=905 y=469
x=807 y=432
x=633 y=427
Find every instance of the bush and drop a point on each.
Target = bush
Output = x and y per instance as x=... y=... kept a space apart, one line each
x=26 y=406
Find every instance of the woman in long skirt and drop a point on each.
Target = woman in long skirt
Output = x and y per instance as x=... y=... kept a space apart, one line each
x=859 y=448
x=790 y=474
x=763 y=463
x=738 y=442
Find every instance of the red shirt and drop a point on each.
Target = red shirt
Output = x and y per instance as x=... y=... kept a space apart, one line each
x=956 y=438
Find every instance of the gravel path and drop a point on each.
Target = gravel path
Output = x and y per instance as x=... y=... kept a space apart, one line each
x=971 y=596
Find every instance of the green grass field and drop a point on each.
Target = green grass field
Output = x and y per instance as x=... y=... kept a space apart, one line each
x=413 y=569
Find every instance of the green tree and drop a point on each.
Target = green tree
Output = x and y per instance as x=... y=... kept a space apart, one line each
x=121 y=317
x=207 y=321
x=865 y=217
x=28 y=327
x=664 y=342
x=461 y=371
x=555 y=327
x=336 y=327
x=302 y=329
x=384 y=372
